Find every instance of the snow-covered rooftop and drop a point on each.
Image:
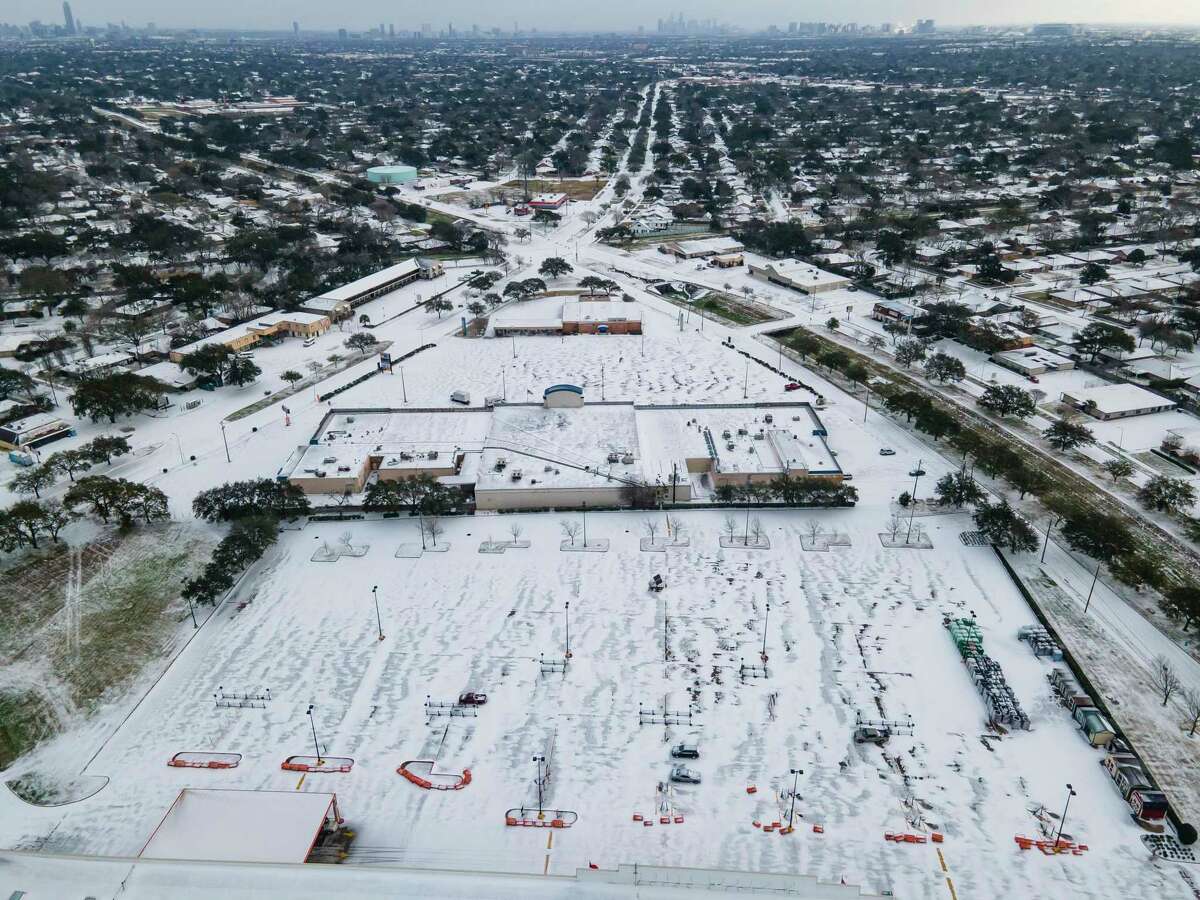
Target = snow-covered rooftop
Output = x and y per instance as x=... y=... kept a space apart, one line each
x=240 y=826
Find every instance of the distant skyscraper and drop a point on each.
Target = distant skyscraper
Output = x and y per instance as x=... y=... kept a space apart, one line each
x=296 y=29
x=392 y=30
x=68 y=19
x=341 y=34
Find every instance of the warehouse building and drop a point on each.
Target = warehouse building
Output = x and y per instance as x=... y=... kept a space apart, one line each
x=566 y=453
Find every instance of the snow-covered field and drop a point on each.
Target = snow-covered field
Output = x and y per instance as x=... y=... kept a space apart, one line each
x=852 y=630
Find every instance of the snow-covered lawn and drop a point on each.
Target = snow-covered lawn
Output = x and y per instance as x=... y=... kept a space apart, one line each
x=854 y=630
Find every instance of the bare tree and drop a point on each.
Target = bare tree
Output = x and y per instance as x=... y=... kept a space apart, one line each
x=756 y=530
x=516 y=531
x=675 y=528
x=650 y=526
x=570 y=528
x=1163 y=678
x=433 y=528
x=813 y=527
x=893 y=525
x=1191 y=702
x=729 y=526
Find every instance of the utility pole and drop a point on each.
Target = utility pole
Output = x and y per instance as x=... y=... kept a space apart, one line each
x=567 y=619
x=585 y=524
x=746 y=382
x=403 y=388
x=1095 y=578
x=226 y=442
x=378 y=620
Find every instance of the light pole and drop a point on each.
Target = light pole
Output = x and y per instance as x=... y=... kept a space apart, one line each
x=1095 y=578
x=312 y=722
x=913 y=504
x=538 y=781
x=796 y=773
x=1063 y=821
x=225 y=440
x=1046 y=544
x=378 y=620
x=766 y=619
x=585 y=524
x=179 y=444
x=567 y=619
x=403 y=388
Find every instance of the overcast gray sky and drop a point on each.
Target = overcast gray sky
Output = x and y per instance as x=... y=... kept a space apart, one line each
x=609 y=14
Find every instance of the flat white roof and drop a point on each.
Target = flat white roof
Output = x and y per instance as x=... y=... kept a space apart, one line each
x=240 y=826
x=371 y=282
x=1115 y=398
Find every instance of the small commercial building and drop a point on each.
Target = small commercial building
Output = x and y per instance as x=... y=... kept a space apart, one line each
x=895 y=311
x=1116 y=401
x=799 y=276
x=702 y=247
x=601 y=317
x=727 y=261
x=551 y=202
x=1033 y=361
x=33 y=431
x=248 y=334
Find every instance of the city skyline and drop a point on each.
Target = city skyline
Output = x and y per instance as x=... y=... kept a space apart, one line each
x=619 y=16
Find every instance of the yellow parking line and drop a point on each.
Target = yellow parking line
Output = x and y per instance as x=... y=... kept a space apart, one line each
x=546 y=867
x=942 y=860
x=550 y=841
x=301 y=781
x=950 y=884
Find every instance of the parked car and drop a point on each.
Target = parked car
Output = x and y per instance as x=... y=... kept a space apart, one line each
x=461 y=397
x=867 y=735
x=886 y=451
x=685 y=751
x=916 y=473
x=791 y=386
x=470 y=698
x=684 y=775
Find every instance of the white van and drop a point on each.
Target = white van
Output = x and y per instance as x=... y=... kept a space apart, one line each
x=461 y=397
x=308 y=342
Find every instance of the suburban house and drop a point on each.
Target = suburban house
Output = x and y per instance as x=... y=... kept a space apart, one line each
x=248 y=334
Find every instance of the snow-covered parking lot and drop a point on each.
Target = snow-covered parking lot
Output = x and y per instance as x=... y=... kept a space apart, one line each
x=853 y=630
